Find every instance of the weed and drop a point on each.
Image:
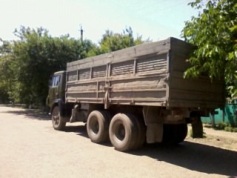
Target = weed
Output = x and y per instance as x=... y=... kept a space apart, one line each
x=224 y=126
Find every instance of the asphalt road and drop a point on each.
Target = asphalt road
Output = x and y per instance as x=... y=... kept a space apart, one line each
x=30 y=147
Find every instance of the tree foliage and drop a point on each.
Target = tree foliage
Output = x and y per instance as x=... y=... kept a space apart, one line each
x=214 y=33
x=116 y=41
x=6 y=71
x=34 y=58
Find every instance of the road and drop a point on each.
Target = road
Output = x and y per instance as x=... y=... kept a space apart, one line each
x=29 y=147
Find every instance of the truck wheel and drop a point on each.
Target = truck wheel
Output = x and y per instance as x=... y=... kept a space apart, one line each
x=57 y=120
x=142 y=132
x=140 y=126
x=98 y=126
x=123 y=132
x=174 y=134
x=181 y=131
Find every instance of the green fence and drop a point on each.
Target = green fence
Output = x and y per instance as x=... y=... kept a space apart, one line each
x=227 y=115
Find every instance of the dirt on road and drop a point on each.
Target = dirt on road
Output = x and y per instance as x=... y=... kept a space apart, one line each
x=30 y=147
x=217 y=138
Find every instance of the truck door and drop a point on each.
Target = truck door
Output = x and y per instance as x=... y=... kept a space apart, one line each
x=56 y=90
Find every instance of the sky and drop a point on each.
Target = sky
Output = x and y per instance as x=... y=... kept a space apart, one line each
x=153 y=19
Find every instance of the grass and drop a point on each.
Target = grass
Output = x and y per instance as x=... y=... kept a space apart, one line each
x=223 y=126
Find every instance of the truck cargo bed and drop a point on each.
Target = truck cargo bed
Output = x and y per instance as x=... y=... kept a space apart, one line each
x=150 y=74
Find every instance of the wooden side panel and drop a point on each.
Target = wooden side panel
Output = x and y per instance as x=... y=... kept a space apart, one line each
x=133 y=76
x=122 y=68
x=149 y=90
x=99 y=72
x=131 y=53
x=149 y=74
x=84 y=74
x=140 y=81
x=86 y=85
x=152 y=63
x=199 y=92
x=86 y=92
x=72 y=76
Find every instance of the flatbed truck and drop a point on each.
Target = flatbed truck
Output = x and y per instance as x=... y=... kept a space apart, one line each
x=134 y=95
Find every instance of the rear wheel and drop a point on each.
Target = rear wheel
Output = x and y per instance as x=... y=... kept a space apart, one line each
x=123 y=132
x=98 y=126
x=174 y=134
x=141 y=135
x=57 y=119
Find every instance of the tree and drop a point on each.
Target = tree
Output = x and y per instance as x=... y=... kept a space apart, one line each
x=7 y=78
x=116 y=41
x=36 y=56
x=214 y=33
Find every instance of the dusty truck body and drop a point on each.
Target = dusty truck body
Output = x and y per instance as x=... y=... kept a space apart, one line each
x=134 y=95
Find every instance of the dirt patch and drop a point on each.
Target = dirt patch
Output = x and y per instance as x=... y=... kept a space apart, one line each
x=216 y=138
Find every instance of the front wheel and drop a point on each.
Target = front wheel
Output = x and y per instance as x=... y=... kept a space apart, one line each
x=57 y=120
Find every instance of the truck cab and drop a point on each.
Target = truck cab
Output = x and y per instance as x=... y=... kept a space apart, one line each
x=56 y=92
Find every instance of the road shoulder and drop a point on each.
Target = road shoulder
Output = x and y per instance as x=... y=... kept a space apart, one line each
x=216 y=138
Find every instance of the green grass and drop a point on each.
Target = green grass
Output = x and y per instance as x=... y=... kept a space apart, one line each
x=223 y=126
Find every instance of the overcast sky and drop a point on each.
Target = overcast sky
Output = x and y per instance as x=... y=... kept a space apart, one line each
x=154 y=19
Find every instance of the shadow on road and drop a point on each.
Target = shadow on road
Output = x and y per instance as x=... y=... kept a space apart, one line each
x=79 y=130
x=31 y=113
x=193 y=156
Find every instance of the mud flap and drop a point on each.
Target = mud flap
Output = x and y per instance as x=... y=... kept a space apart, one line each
x=154 y=133
x=65 y=110
x=154 y=123
x=73 y=116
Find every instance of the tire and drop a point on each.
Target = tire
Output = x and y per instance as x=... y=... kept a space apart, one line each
x=174 y=134
x=142 y=132
x=98 y=126
x=57 y=120
x=123 y=132
x=140 y=126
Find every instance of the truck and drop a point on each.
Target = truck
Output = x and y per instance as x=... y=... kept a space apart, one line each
x=135 y=95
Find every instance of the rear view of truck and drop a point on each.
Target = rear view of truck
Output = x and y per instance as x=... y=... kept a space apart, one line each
x=136 y=95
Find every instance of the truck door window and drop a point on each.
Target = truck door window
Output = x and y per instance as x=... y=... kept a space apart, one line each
x=56 y=80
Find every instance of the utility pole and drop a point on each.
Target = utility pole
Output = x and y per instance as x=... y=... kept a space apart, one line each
x=82 y=45
x=81 y=31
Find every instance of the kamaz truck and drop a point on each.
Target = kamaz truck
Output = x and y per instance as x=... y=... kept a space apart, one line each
x=135 y=95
